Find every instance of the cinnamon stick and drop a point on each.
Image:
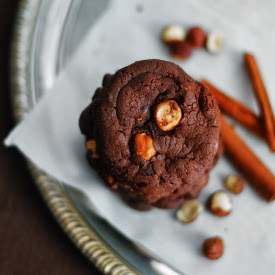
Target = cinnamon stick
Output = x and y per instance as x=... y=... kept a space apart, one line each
x=262 y=97
x=247 y=162
x=236 y=110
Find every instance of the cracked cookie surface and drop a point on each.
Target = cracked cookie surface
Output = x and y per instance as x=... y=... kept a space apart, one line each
x=123 y=108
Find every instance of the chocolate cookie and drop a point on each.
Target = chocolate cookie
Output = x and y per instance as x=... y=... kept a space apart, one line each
x=182 y=193
x=152 y=130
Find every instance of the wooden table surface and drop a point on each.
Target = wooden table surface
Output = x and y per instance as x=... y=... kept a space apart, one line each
x=31 y=242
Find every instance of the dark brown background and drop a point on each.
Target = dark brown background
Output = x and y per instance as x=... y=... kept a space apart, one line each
x=30 y=240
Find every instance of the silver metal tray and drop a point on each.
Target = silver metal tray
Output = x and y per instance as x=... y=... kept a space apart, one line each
x=47 y=32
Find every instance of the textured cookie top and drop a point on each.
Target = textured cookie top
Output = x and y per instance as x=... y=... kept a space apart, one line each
x=155 y=128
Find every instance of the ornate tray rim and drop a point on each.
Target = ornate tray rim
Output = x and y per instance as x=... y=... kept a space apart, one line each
x=66 y=214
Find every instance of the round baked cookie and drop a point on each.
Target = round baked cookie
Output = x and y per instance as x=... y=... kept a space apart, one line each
x=153 y=129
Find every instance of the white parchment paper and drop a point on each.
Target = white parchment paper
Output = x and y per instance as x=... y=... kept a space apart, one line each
x=50 y=136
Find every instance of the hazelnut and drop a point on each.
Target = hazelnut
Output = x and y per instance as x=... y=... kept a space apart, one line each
x=234 y=183
x=173 y=34
x=189 y=211
x=167 y=115
x=144 y=145
x=181 y=51
x=214 y=42
x=91 y=146
x=220 y=204
x=213 y=248
x=196 y=37
x=110 y=180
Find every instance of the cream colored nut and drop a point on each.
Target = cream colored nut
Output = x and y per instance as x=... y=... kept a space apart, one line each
x=144 y=146
x=220 y=204
x=167 y=115
x=189 y=211
x=214 y=42
x=172 y=34
x=91 y=146
x=234 y=183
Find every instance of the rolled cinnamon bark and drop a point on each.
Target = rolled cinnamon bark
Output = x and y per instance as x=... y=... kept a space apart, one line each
x=236 y=110
x=262 y=97
x=258 y=175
